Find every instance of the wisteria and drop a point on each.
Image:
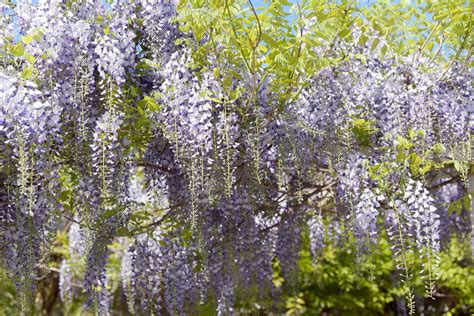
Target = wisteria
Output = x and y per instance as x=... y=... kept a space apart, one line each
x=366 y=216
x=147 y=143
x=317 y=232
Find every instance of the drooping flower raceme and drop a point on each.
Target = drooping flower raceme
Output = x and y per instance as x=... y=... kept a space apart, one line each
x=366 y=214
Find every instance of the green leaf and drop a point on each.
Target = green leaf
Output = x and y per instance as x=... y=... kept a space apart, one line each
x=217 y=72
x=361 y=57
x=65 y=195
x=426 y=168
x=182 y=4
x=123 y=231
x=374 y=44
x=378 y=28
x=27 y=39
x=439 y=148
x=430 y=46
x=27 y=72
x=216 y=100
x=467 y=201
x=37 y=35
x=148 y=103
x=18 y=50
x=30 y=58
x=404 y=143
x=111 y=212
x=415 y=163
x=457 y=165
x=311 y=42
x=451 y=208
x=384 y=51
x=140 y=215
x=280 y=59
x=346 y=33
x=227 y=82
x=363 y=39
x=416 y=160
x=235 y=74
